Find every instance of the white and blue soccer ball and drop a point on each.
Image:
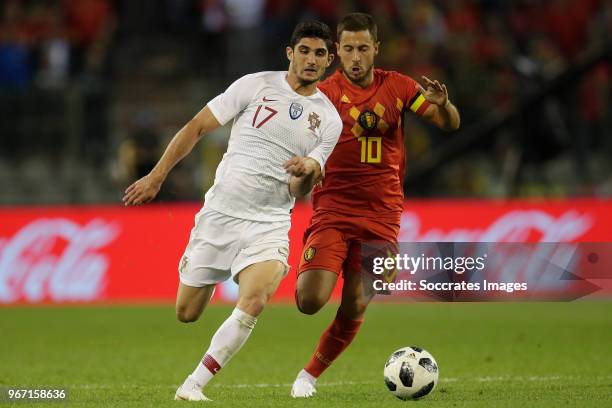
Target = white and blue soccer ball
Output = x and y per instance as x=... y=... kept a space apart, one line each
x=411 y=373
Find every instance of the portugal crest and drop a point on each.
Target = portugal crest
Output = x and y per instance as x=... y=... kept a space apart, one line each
x=295 y=110
x=314 y=121
x=368 y=120
x=309 y=254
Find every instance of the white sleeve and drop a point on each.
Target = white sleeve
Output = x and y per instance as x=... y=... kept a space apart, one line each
x=330 y=136
x=235 y=98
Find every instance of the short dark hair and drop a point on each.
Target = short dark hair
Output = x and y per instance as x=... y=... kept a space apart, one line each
x=312 y=29
x=358 y=22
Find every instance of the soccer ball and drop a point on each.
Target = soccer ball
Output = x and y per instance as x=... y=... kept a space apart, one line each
x=411 y=373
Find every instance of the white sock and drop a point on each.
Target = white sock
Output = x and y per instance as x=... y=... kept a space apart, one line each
x=229 y=338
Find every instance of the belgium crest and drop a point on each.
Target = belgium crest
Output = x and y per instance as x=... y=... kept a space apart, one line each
x=368 y=120
x=309 y=254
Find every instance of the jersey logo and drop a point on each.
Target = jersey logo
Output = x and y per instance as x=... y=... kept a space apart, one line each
x=368 y=120
x=309 y=254
x=314 y=121
x=295 y=110
x=183 y=267
x=265 y=99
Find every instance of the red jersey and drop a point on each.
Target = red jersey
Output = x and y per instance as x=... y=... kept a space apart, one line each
x=365 y=172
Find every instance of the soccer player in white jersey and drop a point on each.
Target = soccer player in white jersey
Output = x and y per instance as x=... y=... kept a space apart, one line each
x=284 y=129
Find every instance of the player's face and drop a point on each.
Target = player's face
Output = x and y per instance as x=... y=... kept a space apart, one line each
x=356 y=51
x=308 y=59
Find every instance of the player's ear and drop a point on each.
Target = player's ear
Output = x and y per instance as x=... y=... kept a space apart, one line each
x=376 y=47
x=337 y=47
x=330 y=59
x=289 y=51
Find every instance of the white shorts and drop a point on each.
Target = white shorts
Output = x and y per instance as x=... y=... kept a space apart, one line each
x=221 y=246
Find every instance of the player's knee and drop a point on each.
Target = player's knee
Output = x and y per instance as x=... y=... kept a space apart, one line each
x=186 y=315
x=310 y=303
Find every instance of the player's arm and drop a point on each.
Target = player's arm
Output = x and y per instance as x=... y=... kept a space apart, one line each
x=144 y=190
x=308 y=171
x=305 y=173
x=219 y=111
x=440 y=112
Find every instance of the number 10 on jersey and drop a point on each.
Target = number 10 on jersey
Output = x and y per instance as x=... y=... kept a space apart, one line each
x=370 y=148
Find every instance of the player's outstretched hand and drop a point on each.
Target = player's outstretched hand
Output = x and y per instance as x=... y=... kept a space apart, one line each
x=297 y=166
x=435 y=92
x=142 y=191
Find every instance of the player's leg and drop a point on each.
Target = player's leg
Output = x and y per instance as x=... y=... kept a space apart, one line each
x=342 y=330
x=191 y=301
x=313 y=289
x=206 y=261
x=257 y=284
x=258 y=269
x=324 y=253
x=356 y=296
x=321 y=263
x=357 y=292
x=379 y=239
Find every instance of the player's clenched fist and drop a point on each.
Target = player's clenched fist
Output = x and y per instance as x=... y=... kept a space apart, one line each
x=305 y=172
x=299 y=166
x=142 y=191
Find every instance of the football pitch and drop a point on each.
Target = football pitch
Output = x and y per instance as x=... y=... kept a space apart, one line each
x=489 y=354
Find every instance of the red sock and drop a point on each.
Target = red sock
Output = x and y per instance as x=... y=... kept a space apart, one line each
x=334 y=340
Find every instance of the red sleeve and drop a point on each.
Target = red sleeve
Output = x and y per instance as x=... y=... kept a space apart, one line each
x=415 y=99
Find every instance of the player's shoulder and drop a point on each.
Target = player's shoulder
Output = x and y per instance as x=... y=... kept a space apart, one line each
x=401 y=85
x=329 y=108
x=332 y=79
x=330 y=84
x=394 y=76
x=330 y=87
x=326 y=101
x=261 y=76
x=265 y=81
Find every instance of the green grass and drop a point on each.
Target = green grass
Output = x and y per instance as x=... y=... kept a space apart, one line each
x=490 y=355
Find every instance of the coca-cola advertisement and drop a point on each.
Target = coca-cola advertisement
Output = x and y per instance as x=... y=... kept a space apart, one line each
x=116 y=254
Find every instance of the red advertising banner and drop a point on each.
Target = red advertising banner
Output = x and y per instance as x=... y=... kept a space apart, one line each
x=117 y=254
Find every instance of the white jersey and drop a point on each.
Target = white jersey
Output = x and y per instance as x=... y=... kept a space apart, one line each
x=272 y=123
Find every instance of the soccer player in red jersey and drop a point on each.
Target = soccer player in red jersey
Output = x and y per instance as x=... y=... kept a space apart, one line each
x=361 y=196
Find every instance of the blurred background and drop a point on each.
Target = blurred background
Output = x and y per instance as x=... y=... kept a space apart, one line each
x=91 y=91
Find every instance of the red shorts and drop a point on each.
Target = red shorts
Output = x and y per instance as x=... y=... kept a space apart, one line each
x=333 y=242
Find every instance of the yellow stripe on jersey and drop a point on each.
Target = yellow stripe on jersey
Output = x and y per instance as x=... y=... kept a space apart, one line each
x=417 y=103
x=345 y=99
x=399 y=104
x=379 y=110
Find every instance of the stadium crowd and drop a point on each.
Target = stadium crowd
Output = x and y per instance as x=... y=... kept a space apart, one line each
x=63 y=63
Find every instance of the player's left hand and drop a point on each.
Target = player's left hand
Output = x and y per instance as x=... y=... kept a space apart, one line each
x=435 y=92
x=298 y=166
x=142 y=191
